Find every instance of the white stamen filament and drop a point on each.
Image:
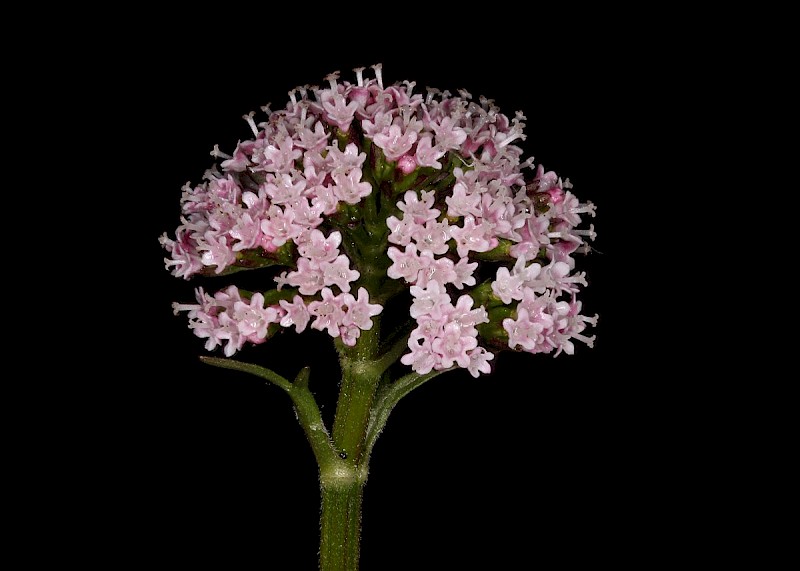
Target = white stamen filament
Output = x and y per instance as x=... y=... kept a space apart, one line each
x=249 y=119
x=378 y=74
x=588 y=340
x=590 y=232
x=331 y=79
x=215 y=152
x=359 y=71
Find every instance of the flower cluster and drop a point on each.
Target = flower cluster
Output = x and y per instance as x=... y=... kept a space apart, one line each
x=229 y=317
x=379 y=189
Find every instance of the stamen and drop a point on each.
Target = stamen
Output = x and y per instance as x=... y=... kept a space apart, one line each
x=249 y=119
x=378 y=67
x=303 y=113
x=585 y=208
x=590 y=232
x=432 y=91
x=514 y=135
x=331 y=79
x=588 y=340
x=489 y=105
x=215 y=152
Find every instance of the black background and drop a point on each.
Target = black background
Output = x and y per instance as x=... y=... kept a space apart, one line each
x=570 y=458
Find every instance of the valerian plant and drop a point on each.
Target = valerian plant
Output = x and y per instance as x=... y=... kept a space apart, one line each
x=359 y=195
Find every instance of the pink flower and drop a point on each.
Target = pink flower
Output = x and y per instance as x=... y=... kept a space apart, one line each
x=210 y=319
x=328 y=313
x=464 y=270
x=479 y=362
x=216 y=251
x=309 y=140
x=308 y=277
x=349 y=334
x=400 y=230
x=228 y=330
x=280 y=226
x=407 y=264
x=224 y=190
x=440 y=270
x=256 y=204
x=461 y=202
x=432 y=300
x=427 y=155
x=466 y=317
x=428 y=327
x=347 y=160
x=338 y=111
x=421 y=358
x=324 y=200
x=182 y=262
x=279 y=157
x=433 y=236
x=253 y=318
x=338 y=273
x=379 y=123
x=315 y=246
x=247 y=232
x=510 y=286
x=499 y=212
x=359 y=310
x=569 y=209
x=528 y=334
x=240 y=159
x=296 y=313
x=305 y=214
x=453 y=346
x=472 y=237
x=448 y=134
x=571 y=326
x=394 y=142
x=350 y=188
x=533 y=236
x=283 y=189
x=416 y=209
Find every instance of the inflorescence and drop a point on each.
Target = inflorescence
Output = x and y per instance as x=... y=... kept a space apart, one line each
x=361 y=192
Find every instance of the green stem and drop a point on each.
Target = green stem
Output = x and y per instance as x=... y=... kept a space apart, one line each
x=340 y=521
x=360 y=377
x=342 y=489
x=343 y=457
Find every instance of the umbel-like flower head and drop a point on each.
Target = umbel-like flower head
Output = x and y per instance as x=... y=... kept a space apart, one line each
x=367 y=194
